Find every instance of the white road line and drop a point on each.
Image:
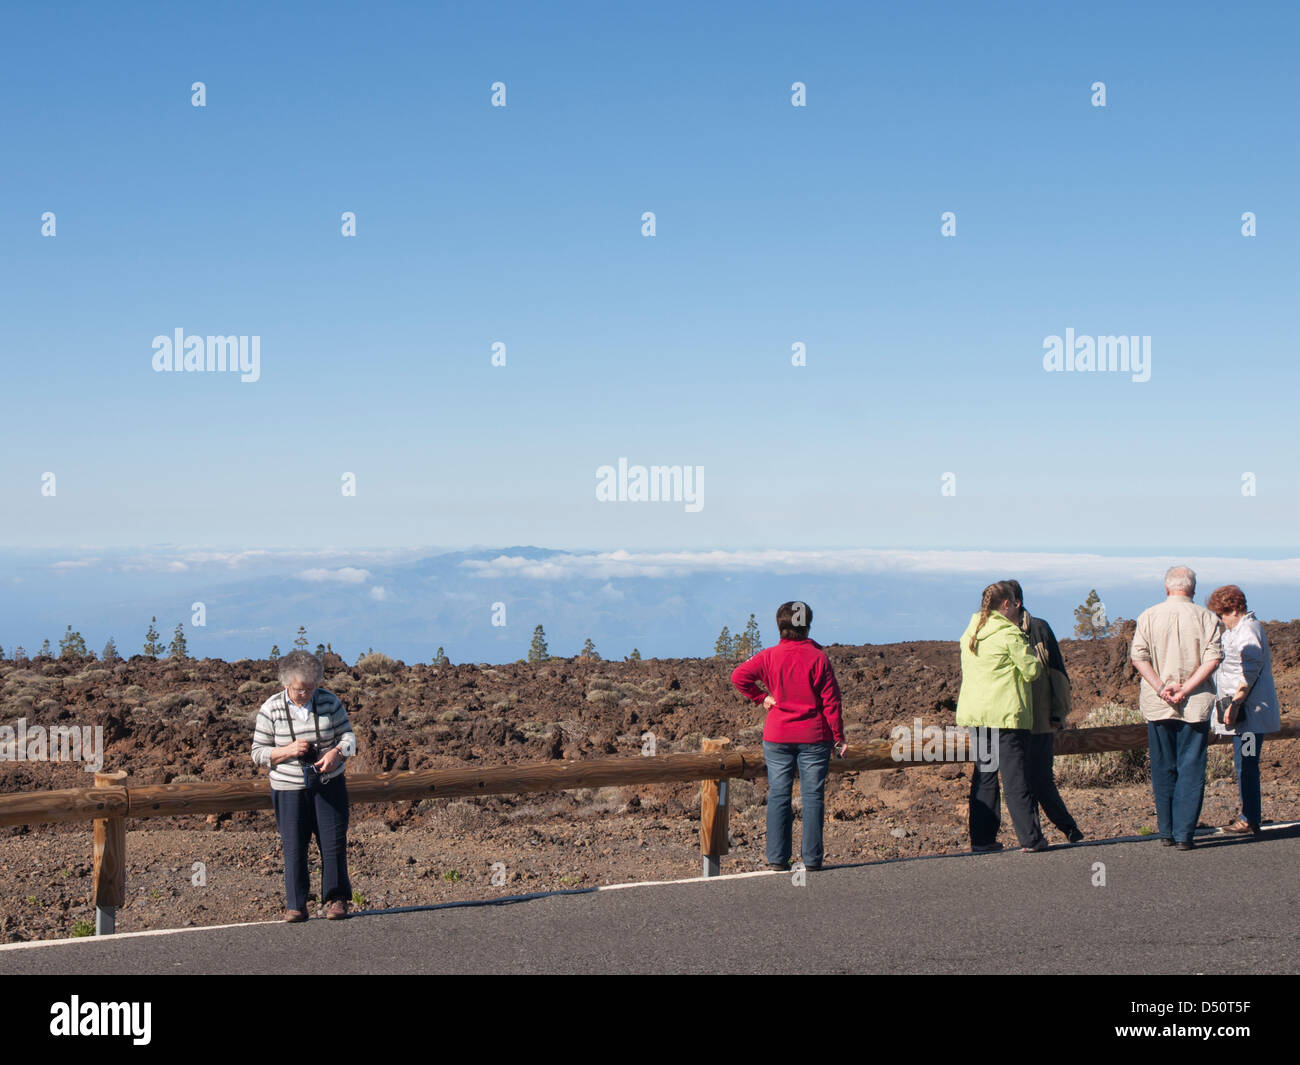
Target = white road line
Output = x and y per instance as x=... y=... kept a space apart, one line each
x=460 y=903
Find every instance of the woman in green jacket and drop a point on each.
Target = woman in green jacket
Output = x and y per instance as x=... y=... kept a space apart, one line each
x=997 y=669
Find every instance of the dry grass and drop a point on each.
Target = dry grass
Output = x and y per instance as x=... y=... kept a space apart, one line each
x=376 y=663
x=1105 y=768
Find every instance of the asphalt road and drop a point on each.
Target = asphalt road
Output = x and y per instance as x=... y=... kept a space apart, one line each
x=1159 y=910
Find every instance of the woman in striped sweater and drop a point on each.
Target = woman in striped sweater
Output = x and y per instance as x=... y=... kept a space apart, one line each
x=304 y=737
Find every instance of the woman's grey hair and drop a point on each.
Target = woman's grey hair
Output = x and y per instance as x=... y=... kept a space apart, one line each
x=301 y=665
x=1181 y=578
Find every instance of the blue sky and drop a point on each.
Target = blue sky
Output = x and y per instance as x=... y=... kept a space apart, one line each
x=775 y=225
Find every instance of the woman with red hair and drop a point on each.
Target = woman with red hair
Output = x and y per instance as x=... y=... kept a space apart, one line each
x=1246 y=708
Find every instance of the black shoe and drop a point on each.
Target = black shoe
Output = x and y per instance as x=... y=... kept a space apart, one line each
x=1165 y=841
x=986 y=848
x=1185 y=846
x=1074 y=835
x=814 y=868
x=785 y=868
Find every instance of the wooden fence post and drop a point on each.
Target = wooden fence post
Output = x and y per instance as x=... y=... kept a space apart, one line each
x=108 y=881
x=714 y=842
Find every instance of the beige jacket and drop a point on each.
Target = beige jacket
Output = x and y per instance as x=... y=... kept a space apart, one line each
x=1176 y=637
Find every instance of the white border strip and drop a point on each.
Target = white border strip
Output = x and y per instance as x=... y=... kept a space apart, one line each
x=430 y=906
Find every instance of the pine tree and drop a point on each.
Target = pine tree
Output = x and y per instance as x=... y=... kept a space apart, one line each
x=589 y=651
x=178 y=648
x=152 y=648
x=1090 y=618
x=320 y=649
x=275 y=651
x=301 y=642
x=72 y=645
x=441 y=659
x=635 y=656
x=725 y=647
x=2 y=654
x=110 y=651
x=749 y=642
x=45 y=651
x=20 y=656
x=537 y=651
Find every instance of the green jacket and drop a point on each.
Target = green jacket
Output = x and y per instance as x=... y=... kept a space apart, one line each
x=995 y=681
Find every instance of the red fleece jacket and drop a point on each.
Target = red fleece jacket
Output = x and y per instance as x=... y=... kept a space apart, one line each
x=799 y=676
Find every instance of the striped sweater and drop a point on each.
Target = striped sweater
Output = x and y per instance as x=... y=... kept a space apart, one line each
x=327 y=727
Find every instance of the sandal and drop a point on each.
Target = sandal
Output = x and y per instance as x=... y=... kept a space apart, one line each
x=1242 y=827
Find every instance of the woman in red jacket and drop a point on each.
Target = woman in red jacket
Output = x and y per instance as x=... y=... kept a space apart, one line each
x=803 y=726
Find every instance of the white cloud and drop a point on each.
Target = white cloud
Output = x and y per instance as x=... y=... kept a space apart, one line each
x=378 y=593
x=1047 y=569
x=344 y=575
x=80 y=563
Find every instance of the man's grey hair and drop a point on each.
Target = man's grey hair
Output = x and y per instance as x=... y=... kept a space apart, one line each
x=301 y=665
x=1181 y=579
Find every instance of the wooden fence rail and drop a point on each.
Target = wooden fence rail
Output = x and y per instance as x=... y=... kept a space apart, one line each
x=111 y=801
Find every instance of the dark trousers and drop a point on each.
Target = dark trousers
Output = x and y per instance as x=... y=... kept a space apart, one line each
x=1043 y=782
x=1012 y=746
x=1178 y=775
x=300 y=815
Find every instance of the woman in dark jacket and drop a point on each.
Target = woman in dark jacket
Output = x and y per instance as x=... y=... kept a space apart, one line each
x=1051 y=699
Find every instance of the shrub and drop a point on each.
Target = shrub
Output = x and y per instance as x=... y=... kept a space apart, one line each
x=82 y=928
x=375 y=662
x=601 y=695
x=1104 y=768
x=1218 y=763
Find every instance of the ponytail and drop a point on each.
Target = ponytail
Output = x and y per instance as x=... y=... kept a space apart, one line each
x=993 y=594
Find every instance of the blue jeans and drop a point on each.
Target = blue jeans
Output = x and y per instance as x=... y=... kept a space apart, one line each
x=812 y=761
x=1178 y=775
x=1247 y=767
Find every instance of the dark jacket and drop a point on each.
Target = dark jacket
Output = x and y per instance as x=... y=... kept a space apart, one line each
x=1051 y=689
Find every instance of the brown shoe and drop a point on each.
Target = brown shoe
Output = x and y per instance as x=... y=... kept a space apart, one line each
x=294 y=916
x=1241 y=827
x=336 y=910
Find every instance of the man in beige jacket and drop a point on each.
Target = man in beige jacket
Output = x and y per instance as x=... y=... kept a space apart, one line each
x=1176 y=648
